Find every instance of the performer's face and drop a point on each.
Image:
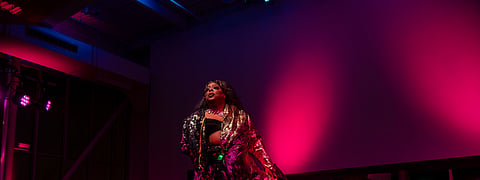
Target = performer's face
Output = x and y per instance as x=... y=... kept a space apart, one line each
x=214 y=92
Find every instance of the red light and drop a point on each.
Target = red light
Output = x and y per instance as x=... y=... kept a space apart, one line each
x=23 y=145
x=308 y=120
x=16 y=10
x=438 y=67
x=5 y=6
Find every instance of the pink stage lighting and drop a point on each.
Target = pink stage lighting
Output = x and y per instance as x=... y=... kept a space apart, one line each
x=25 y=100
x=11 y=8
x=48 y=105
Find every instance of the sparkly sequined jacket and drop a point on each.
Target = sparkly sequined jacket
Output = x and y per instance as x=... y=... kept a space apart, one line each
x=244 y=154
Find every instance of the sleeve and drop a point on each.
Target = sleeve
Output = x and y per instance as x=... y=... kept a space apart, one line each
x=188 y=136
x=261 y=154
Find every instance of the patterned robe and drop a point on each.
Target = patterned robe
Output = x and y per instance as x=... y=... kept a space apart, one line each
x=244 y=154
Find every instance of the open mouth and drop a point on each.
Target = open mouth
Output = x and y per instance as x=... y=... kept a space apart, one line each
x=211 y=94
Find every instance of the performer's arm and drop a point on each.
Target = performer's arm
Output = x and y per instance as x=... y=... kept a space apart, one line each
x=259 y=150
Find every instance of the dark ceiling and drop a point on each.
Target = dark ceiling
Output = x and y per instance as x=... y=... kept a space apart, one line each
x=123 y=27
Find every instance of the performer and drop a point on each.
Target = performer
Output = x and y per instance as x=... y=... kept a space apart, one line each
x=221 y=140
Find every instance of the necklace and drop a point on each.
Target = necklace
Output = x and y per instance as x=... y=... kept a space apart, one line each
x=211 y=111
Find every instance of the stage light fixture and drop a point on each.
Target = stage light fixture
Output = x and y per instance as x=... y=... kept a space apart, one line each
x=48 y=105
x=10 y=7
x=45 y=104
x=21 y=97
x=24 y=100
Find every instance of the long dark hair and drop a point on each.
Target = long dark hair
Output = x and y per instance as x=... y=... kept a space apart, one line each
x=231 y=97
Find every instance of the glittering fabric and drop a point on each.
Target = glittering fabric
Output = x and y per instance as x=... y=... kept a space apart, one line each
x=245 y=156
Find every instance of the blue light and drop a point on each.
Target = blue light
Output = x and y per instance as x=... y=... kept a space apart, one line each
x=152 y=4
x=267 y=0
x=185 y=9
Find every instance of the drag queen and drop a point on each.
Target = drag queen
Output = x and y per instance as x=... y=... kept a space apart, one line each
x=221 y=140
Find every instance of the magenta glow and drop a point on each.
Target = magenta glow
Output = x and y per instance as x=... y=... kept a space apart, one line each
x=25 y=100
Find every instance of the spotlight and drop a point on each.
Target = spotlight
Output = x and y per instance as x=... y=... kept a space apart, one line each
x=10 y=7
x=44 y=102
x=25 y=100
x=21 y=98
x=47 y=105
x=270 y=2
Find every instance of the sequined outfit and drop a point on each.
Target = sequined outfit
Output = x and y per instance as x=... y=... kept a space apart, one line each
x=244 y=154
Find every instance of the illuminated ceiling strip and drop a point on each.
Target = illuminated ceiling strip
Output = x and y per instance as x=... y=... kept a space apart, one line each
x=185 y=9
x=163 y=11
